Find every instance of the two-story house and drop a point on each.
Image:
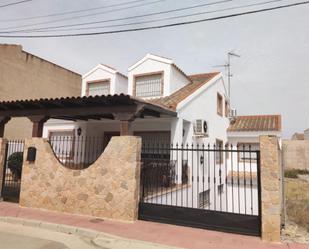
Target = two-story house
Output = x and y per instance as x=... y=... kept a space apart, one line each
x=200 y=101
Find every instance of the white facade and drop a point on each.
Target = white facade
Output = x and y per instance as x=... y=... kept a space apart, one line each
x=118 y=82
x=173 y=78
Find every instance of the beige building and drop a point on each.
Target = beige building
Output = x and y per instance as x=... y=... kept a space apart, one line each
x=27 y=76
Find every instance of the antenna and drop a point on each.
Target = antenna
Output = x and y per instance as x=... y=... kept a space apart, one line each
x=227 y=66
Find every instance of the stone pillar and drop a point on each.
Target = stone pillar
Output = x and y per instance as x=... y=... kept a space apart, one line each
x=2 y=160
x=270 y=188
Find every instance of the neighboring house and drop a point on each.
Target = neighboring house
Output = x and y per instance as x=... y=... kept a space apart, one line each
x=159 y=81
x=27 y=76
x=243 y=135
x=245 y=130
x=298 y=136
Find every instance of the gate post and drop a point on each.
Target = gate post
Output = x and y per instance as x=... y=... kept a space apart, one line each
x=3 y=143
x=270 y=188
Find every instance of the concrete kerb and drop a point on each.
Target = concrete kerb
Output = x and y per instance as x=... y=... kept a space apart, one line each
x=97 y=238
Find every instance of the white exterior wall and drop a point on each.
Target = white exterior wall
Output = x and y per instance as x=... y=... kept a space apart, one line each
x=150 y=66
x=249 y=137
x=118 y=83
x=172 y=80
x=203 y=105
x=177 y=80
x=121 y=84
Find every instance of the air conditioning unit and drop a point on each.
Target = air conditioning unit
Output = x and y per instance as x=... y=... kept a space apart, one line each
x=200 y=128
x=233 y=113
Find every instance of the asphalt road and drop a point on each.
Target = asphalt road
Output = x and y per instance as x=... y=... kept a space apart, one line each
x=17 y=241
x=14 y=236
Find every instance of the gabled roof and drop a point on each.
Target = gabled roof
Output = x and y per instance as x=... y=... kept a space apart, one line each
x=256 y=123
x=104 y=67
x=197 y=81
x=160 y=59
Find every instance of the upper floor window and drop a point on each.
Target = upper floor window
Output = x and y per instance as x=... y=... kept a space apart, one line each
x=150 y=85
x=226 y=109
x=98 y=88
x=219 y=104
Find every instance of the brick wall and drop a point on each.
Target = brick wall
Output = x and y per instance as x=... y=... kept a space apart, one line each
x=109 y=188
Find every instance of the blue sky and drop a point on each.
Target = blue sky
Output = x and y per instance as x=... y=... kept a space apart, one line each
x=269 y=78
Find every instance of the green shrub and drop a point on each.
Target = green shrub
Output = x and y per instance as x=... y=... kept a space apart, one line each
x=15 y=163
x=291 y=173
x=303 y=172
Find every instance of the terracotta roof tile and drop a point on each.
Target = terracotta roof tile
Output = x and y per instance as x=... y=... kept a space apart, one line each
x=175 y=98
x=256 y=123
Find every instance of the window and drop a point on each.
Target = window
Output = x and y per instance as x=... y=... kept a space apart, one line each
x=148 y=85
x=245 y=151
x=220 y=189
x=219 y=151
x=226 y=109
x=219 y=104
x=204 y=199
x=98 y=88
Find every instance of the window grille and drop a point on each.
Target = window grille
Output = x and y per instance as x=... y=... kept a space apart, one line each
x=148 y=86
x=98 y=88
x=204 y=199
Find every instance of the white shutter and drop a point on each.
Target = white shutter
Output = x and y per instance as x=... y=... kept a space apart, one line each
x=98 y=88
x=148 y=86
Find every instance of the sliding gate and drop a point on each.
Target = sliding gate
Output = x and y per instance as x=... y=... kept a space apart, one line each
x=202 y=186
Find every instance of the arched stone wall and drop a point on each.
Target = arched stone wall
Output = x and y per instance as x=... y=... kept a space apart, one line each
x=109 y=188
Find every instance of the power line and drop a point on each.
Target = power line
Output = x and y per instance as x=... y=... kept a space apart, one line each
x=70 y=12
x=119 y=19
x=142 y=22
x=15 y=3
x=160 y=26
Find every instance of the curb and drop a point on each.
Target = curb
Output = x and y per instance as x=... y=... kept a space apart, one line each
x=97 y=238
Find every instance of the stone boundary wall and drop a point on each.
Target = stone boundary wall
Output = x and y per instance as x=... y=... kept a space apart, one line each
x=271 y=188
x=295 y=154
x=109 y=188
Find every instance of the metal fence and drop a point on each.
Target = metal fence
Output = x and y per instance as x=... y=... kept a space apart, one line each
x=12 y=170
x=206 y=177
x=76 y=152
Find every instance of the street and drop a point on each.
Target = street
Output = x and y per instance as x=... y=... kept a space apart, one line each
x=14 y=236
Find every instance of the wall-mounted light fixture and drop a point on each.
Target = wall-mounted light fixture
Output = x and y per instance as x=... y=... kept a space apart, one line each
x=79 y=131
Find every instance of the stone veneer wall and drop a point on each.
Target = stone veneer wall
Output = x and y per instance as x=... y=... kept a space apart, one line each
x=2 y=159
x=109 y=188
x=270 y=188
x=295 y=154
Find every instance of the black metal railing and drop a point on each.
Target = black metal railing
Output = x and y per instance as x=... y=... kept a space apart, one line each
x=197 y=176
x=12 y=170
x=76 y=152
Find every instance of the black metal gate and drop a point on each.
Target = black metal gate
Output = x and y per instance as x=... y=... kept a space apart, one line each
x=215 y=187
x=12 y=170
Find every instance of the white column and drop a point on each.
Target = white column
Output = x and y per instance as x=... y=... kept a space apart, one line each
x=177 y=139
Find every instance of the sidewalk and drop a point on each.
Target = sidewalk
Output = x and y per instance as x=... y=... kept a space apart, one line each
x=178 y=236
